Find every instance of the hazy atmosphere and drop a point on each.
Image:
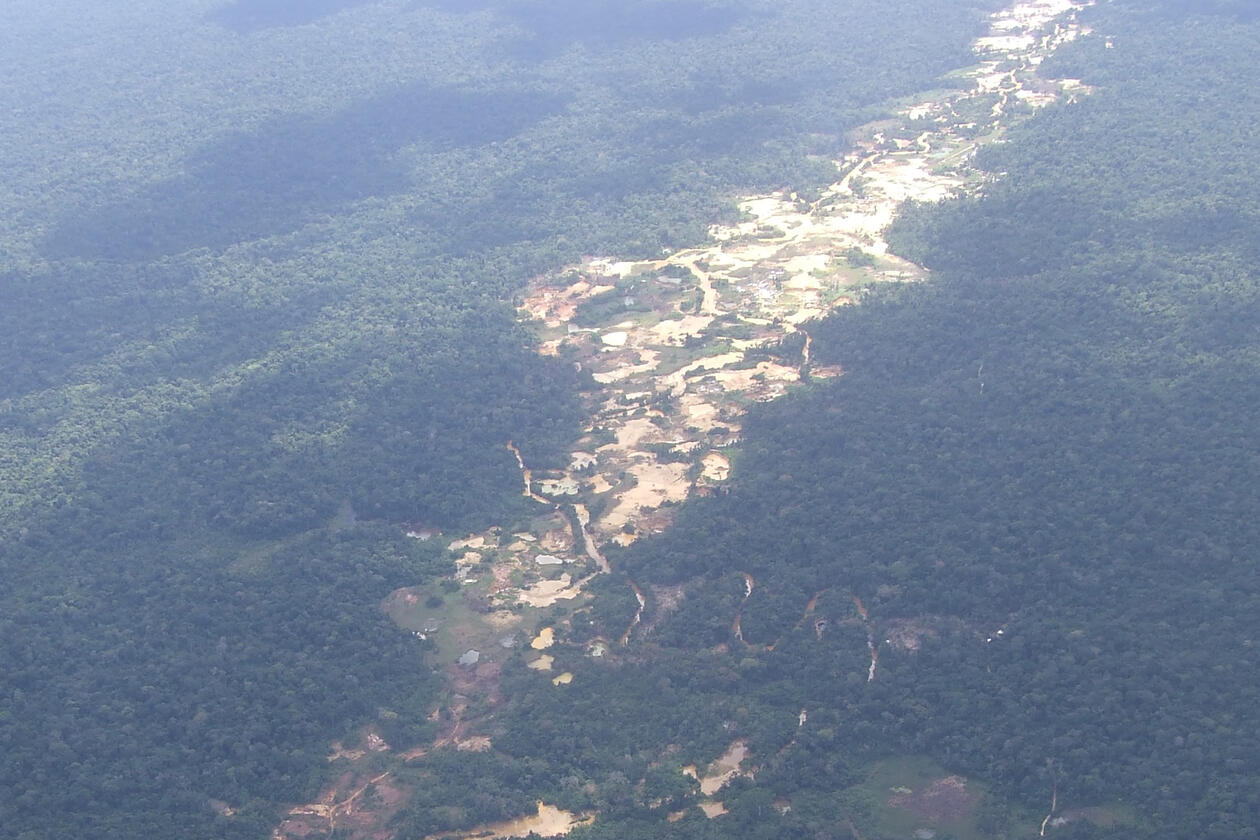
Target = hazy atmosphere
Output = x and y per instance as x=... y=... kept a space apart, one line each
x=814 y=419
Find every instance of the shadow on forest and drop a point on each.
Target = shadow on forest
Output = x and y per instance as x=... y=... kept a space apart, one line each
x=61 y=330
x=555 y=26
x=251 y=185
x=546 y=194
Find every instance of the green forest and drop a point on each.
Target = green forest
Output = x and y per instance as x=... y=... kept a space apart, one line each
x=258 y=261
x=1041 y=464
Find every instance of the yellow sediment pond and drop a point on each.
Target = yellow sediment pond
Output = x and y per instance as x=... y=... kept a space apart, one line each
x=546 y=638
x=542 y=663
x=550 y=821
x=562 y=679
x=545 y=593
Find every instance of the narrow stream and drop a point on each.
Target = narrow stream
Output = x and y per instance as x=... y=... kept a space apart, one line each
x=588 y=542
x=736 y=626
x=527 y=476
x=638 y=615
x=870 y=637
x=1054 y=806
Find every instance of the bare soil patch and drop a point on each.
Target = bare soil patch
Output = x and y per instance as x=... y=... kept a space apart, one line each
x=549 y=821
x=674 y=382
x=725 y=768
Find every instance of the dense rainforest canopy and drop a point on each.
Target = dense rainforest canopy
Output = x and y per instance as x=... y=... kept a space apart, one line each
x=1040 y=467
x=258 y=261
x=256 y=268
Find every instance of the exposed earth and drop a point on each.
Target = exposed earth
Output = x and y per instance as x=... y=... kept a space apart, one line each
x=676 y=348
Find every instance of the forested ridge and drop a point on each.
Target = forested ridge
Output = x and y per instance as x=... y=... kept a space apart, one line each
x=255 y=299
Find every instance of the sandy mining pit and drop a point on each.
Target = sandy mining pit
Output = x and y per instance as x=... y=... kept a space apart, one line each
x=672 y=387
